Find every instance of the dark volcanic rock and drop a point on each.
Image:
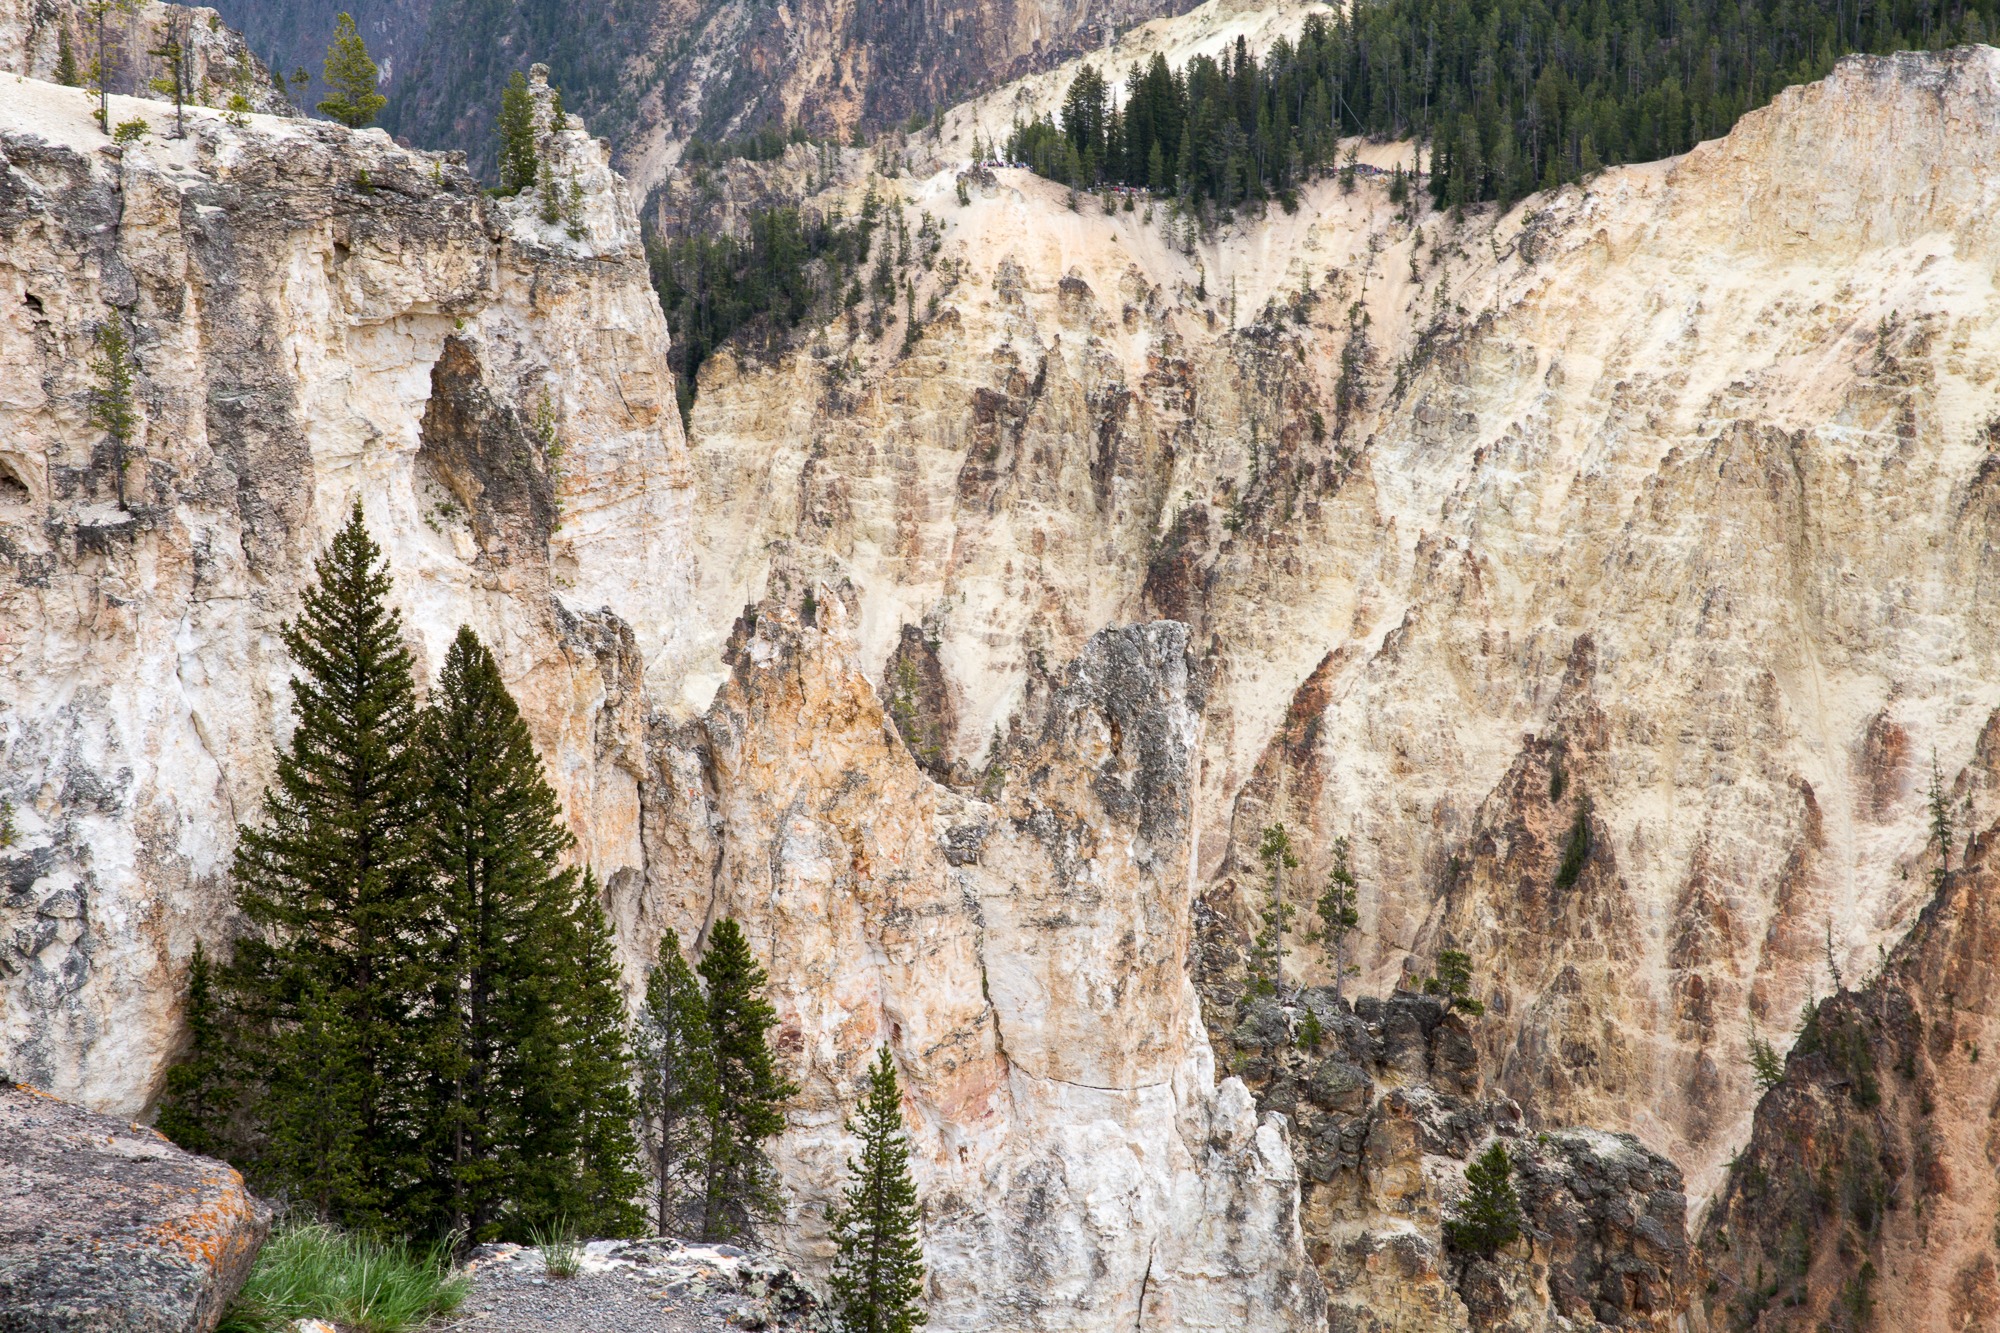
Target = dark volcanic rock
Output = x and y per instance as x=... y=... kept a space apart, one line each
x=107 y=1227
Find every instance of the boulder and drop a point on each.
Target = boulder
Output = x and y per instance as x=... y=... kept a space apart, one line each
x=106 y=1226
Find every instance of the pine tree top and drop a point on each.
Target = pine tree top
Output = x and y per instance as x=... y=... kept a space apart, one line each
x=352 y=76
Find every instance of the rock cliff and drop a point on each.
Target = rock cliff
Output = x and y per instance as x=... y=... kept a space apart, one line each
x=33 y=34
x=1652 y=520
x=315 y=315
x=1865 y=1197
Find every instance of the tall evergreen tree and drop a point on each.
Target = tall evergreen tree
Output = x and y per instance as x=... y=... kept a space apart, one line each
x=99 y=12
x=676 y=1057
x=878 y=1265
x=590 y=1084
x=351 y=77
x=331 y=880
x=1339 y=913
x=523 y=1080
x=494 y=841
x=201 y=1090
x=741 y=1186
x=518 y=164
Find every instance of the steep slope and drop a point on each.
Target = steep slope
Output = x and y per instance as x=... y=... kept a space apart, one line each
x=32 y=33
x=1677 y=486
x=1865 y=1197
x=651 y=74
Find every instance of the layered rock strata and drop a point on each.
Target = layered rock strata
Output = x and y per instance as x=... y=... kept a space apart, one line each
x=318 y=316
x=1865 y=1197
x=105 y=1227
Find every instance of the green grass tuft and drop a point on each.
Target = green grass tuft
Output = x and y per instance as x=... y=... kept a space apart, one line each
x=562 y=1250
x=312 y=1271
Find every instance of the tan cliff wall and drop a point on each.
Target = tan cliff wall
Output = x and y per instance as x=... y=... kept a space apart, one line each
x=1677 y=483
x=219 y=64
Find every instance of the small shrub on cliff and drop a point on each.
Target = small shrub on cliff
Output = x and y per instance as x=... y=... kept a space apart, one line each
x=351 y=76
x=1453 y=982
x=1489 y=1214
x=878 y=1267
x=1576 y=848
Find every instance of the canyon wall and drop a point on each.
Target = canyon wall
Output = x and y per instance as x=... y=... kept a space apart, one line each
x=1653 y=518
x=219 y=64
x=315 y=315
x=318 y=317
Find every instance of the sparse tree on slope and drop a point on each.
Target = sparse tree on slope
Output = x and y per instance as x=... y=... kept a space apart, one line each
x=1267 y=950
x=878 y=1269
x=351 y=77
x=1338 y=912
x=1489 y=1214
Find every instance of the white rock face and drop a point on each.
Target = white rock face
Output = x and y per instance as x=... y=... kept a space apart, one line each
x=297 y=297
x=1023 y=956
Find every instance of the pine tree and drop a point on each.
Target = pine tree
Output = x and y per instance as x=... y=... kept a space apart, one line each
x=524 y=1082
x=351 y=76
x=594 y=1087
x=172 y=52
x=67 y=73
x=1267 y=950
x=201 y=1086
x=1453 y=982
x=878 y=1267
x=99 y=12
x=111 y=406
x=1940 y=820
x=676 y=1057
x=494 y=841
x=1338 y=912
x=741 y=1185
x=332 y=881
x=518 y=163
x=1489 y=1214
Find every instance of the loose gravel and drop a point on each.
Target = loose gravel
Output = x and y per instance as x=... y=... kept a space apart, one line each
x=652 y=1286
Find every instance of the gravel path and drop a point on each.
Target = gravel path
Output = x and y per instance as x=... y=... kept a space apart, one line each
x=656 y=1286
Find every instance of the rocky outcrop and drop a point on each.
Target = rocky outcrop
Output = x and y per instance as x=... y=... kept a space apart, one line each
x=1865 y=1198
x=219 y=64
x=315 y=315
x=1022 y=955
x=105 y=1227
x=1389 y=1104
